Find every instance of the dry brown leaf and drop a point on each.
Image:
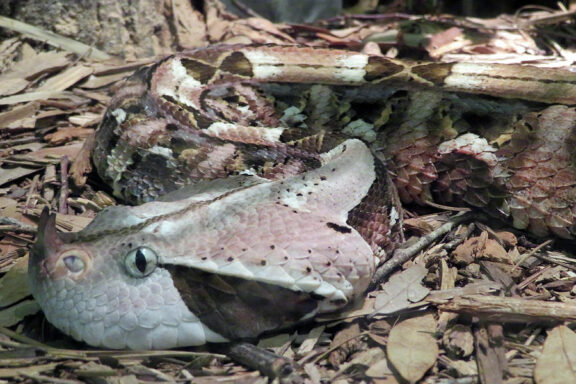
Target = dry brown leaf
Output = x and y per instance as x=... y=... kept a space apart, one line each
x=346 y=341
x=311 y=340
x=14 y=284
x=459 y=340
x=366 y=358
x=380 y=369
x=412 y=348
x=557 y=364
x=480 y=247
x=14 y=314
x=65 y=135
x=10 y=86
x=446 y=41
x=401 y=290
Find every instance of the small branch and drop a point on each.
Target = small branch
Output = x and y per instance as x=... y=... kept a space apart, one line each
x=402 y=255
x=53 y=39
x=268 y=363
x=62 y=205
x=509 y=309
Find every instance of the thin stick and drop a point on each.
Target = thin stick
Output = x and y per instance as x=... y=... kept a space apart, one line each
x=53 y=39
x=402 y=255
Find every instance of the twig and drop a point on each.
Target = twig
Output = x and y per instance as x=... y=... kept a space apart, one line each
x=62 y=206
x=402 y=255
x=53 y=39
x=509 y=309
x=268 y=363
x=531 y=253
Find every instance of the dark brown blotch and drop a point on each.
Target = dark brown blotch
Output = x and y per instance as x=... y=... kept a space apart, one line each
x=379 y=67
x=435 y=72
x=339 y=228
x=237 y=64
x=198 y=70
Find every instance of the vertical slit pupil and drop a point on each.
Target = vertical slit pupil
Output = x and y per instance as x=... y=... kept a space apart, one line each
x=140 y=261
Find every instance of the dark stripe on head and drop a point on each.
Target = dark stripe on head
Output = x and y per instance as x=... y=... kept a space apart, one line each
x=435 y=73
x=198 y=70
x=237 y=64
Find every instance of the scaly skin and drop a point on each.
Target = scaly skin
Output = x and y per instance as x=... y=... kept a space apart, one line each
x=288 y=216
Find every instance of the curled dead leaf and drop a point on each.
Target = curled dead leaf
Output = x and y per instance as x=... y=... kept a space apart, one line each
x=412 y=348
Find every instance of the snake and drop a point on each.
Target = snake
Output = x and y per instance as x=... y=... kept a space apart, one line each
x=264 y=184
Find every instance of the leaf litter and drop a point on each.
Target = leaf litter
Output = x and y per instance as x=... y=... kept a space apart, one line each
x=477 y=304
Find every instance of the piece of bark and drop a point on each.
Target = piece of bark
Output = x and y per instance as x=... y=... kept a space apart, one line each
x=508 y=309
x=490 y=353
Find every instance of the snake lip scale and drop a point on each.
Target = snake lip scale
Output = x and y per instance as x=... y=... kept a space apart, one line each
x=266 y=183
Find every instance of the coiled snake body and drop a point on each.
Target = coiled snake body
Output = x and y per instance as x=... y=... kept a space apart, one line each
x=288 y=153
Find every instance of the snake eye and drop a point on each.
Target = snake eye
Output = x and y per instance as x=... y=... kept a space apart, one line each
x=74 y=263
x=141 y=262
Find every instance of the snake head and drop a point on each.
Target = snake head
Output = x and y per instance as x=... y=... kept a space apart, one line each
x=232 y=260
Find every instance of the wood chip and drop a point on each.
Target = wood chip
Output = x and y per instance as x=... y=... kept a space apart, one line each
x=31 y=96
x=85 y=120
x=17 y=114
x=102 y=81
x=490 y=355
x=66 y=79
x=8 y=175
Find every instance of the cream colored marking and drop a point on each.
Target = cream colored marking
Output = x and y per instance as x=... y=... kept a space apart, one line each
x=263 y=65
x=180 y=79
x=473 y=144
x=464 y=81
x=472 y=69
x=394 y=217
x=266 y=71
x=269 y=134
x=259 y=57
x=471 y=141
x=119 y=114
x=352 y=61
x=162 y=151
x=350 y=75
